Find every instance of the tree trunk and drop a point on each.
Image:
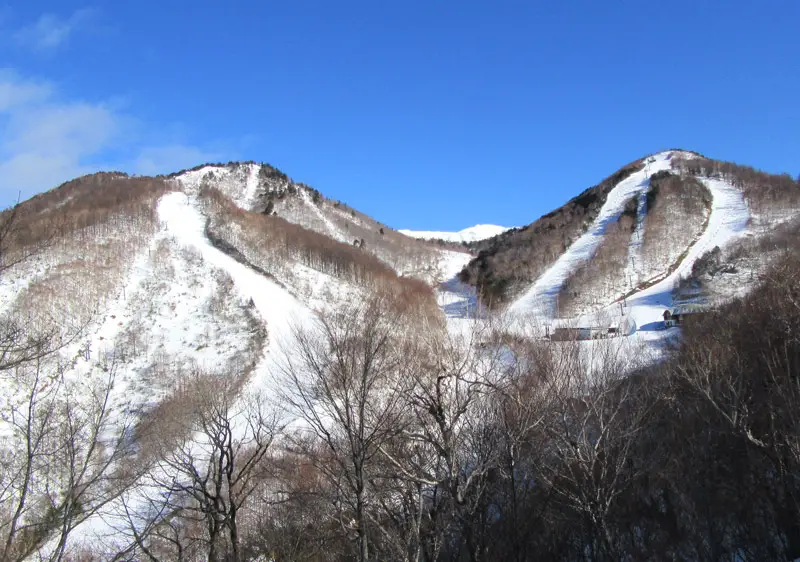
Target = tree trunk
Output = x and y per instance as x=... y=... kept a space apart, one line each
x=29 y=454
x=361 y=521
x=234 y=532
x=213 y=534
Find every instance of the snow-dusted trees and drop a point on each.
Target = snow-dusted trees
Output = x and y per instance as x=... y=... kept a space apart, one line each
x=764 y=192
x=508 y=262
x=63 y=443
x=672 y=217
x=450 y=444
x=19 y=344
x=105 y=203
x=605 y=277
x=33 y=424
x=677 y=213
x=591 y=423
x=493 y=446
x=408 y=426
x=9 y=238
x=411 y=443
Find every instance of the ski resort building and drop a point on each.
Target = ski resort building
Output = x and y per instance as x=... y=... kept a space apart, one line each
x=571 y=334
x=676 y=315
x=619 y=327
x=622 y=326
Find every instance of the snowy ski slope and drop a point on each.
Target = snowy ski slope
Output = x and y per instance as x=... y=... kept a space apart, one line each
x=540 y=300
x=634 y=267
x=728 y=220
x=277 y=307
x=183 y=225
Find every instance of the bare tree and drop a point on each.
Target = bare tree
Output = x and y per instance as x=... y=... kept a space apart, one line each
x=520 y=401
x=209 y=472
x=18 y=343
x=737 y=373
x=67 y=459
x=594 y=418
x=450 y=446
x=13 y=248
x=33 y=423
x=346 y=379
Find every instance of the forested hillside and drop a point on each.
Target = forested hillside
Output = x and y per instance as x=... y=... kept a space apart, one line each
x=650 y=238
x=507 y=262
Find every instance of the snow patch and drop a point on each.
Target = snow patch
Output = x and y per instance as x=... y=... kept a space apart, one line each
x=471 y=234
x=240 y=182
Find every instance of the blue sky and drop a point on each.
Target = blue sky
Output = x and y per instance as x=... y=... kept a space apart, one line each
x=424 y=114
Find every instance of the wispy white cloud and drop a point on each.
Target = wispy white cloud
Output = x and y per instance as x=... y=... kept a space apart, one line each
x=46 y=140
x=168 y=158
x=15 y=91
x=51 y=31
x=25 y=174
x=70 y=128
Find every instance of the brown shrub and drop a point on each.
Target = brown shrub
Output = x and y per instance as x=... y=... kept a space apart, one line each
x=763 y=191
x=95 y=205
x=267 y=241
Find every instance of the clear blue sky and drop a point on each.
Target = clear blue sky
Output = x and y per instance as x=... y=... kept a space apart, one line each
x=424 y=114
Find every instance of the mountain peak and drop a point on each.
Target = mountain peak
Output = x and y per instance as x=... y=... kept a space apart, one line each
x=469 y=234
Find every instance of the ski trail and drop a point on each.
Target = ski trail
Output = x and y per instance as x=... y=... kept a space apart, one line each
x=335 y=234
x=276 y=306
x=540 y=301
x=455 y=299
x=182 y=221
x=633 y=269
x=250 y=188
x=728 y=220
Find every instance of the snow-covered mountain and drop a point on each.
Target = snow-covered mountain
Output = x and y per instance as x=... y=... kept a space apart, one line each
x=136 y=283
x=647 y=292
x=133 y=253
x=470 y=234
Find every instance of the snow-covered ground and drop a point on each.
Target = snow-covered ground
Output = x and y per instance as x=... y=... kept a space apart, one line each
x=331 y=228
x=456 y=299
x=178 y=324
x=183 y=225
x=240 y=183
x=471 y=234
